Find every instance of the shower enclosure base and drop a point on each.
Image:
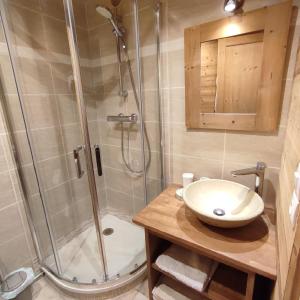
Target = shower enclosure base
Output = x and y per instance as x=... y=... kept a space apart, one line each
x=82 y=272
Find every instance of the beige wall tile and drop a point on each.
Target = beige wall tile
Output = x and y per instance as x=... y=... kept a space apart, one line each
x=71 y=137
x=14 y=254
x=177 y=105
x=47 y=142
x=7 y=196
x=12 y=110
x=83 y=211
x=79 y=8
x=118 y=180
x=8 y=82
x=83 y=42
x=30 y=180
x=67 y=109
x=110 y=134
x=27 y=27
x=22 y=148
x=53 y=171
x=151 y=105
x=112 y=157
x=59 y=198
x=53 y=8
x=63 y=78
x=176 y=68
x=32 y=4
x=94 y=42
x=154 y=169
x=110 y=105
x=41 y=111
x=153 y=190
x=250 y=148
x=63 y=223
x=120 y=202
x=35 y=76
x=200 y=167
x=9 y=230
x=200 y=143
x=80 y=188
x=56 y=32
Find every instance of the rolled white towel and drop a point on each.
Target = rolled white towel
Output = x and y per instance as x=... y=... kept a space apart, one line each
x=164 y=292
x=189 y=268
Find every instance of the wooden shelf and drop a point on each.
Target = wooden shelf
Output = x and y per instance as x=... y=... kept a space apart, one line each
x=226 y=284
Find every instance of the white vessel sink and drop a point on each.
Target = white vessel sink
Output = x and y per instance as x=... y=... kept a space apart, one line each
x=223 y=203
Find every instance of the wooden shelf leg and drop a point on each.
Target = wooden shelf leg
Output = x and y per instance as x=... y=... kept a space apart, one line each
x=152 y=247
x=250 y=286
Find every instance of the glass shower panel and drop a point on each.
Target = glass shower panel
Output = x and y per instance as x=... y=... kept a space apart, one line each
x=20 y=160
x=109 y=89
x=47 y=85
x=149 y=15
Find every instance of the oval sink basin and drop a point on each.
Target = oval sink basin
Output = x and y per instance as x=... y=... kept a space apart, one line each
x=223 y=203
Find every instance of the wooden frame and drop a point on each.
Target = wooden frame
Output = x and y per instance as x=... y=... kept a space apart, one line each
x=274 y=22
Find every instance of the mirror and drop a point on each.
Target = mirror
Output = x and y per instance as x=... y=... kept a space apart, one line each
x=234 y=69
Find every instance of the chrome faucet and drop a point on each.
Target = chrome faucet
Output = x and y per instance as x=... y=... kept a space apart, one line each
x=259 y=171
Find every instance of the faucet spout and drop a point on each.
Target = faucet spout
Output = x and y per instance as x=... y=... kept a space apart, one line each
x=247 y=171
x=258 y=171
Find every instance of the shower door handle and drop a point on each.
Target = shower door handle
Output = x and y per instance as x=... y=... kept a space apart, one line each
x=76 y=154
x=98 y=159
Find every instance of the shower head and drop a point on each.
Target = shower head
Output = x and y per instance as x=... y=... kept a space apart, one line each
x=103 y=11
x=106 y=13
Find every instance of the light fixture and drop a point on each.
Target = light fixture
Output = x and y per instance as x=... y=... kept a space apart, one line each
x=233 y=5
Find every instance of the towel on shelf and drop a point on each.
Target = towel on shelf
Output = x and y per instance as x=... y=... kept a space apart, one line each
x=191 y=269
x=164 y=292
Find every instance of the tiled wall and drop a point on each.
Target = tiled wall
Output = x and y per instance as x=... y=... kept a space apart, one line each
x=289 y=162
x=207 y=152
x=124 y=191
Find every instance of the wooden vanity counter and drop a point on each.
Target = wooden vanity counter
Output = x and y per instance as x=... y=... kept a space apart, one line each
x=250 y=249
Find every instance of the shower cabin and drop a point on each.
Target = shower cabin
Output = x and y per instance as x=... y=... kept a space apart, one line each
x=80 y=93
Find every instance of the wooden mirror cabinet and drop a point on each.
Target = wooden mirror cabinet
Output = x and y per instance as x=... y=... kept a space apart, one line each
x=234 y=70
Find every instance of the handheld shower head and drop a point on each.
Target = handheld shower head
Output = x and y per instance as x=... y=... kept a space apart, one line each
x=103 y=11
x=106 y=13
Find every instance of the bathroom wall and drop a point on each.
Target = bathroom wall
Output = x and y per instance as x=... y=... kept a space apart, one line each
x=211 y=153
x=289 y=162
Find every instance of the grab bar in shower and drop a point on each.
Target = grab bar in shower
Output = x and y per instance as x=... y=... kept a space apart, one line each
x=123 y=119
x=76 y=155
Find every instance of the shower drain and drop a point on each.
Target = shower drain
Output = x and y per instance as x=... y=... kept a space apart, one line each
x=108 y=231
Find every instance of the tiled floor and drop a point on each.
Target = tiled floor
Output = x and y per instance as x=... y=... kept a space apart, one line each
x=43 y=289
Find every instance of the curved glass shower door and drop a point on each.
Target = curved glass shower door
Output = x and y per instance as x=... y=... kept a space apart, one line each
x=109 y=62
x=89 y=157
x=51 y=142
